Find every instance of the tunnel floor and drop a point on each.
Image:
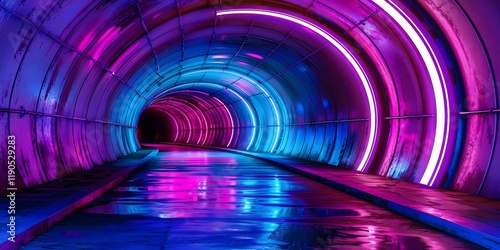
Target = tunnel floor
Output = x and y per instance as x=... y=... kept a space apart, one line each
x=188 y=198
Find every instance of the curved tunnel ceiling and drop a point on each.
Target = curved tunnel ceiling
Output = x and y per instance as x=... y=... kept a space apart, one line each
x=404 y=89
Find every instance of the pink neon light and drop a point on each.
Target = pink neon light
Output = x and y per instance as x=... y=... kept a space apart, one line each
x=438 y=84
x=347 y=54
x=220 y=57
x=175 y=122
x=232 y=122
x=188 y=122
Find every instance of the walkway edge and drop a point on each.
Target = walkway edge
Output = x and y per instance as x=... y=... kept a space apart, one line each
x=478 y=234
x=42 y=220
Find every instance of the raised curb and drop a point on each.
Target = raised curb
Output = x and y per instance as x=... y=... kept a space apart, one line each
x=43 y=219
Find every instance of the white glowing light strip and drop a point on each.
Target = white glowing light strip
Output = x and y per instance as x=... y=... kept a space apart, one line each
x=440 y=92
x=343 y=50
x=278 y=123
x=273 y=104
x=251 y=116
x=230 y=117
x=193 y=111
x=189 y=129
x=199 y=120
x=172 y=88
x=204 y=117
x=206 y=129
x=176 y=125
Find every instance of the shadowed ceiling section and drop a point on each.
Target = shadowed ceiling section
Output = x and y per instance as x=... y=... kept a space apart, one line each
x=377 y=86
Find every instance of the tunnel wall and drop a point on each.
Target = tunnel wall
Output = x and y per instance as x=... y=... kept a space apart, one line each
x=483 y=128
x=51 y=93
x=76 y=75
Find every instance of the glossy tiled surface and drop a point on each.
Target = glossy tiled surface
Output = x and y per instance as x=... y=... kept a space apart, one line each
x=199 y=199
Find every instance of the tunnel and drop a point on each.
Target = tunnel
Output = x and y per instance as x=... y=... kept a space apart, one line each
x=404 y=89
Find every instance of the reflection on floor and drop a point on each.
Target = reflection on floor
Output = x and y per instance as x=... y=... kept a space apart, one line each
x=199 y=199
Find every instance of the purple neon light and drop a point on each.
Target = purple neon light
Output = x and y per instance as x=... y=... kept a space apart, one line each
x=204 y=118
x=252 y=115
x=220 y=56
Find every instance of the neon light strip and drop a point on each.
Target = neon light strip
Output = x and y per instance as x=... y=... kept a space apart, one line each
x=204 y=117
x=206 y=129
x=176 y=125
x=273 y=104
x=170 y=89
x=192 y=106
x=278 y=123
x=440 y=91
x=188 y=122
x=201 y=126
x=252 y=116
x=369 y=92
x=230 y=117
x=239 y=96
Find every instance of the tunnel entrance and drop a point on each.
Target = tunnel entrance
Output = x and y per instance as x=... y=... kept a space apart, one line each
x=153 y=127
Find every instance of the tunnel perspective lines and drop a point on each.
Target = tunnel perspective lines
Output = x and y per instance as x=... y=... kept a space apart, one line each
x=251 y=115
x=242 y=84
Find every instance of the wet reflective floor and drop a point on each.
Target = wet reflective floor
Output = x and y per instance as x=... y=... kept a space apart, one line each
x=190 y=198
